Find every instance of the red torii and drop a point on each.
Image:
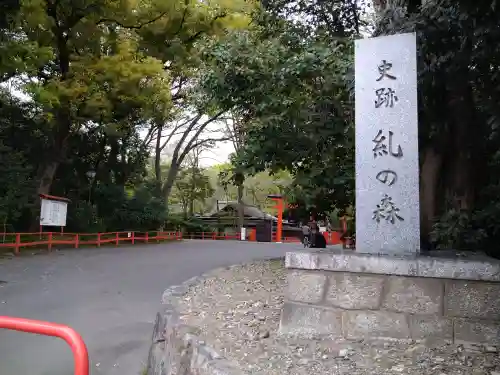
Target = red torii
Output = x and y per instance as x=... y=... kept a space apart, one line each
x=279 y=206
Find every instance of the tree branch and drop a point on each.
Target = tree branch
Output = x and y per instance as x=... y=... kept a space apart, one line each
x=192 y=38
x=174 y=132
x=184 y=14
x=209 y=140
x=149 y=137
x=189 y=146
x=134 y=27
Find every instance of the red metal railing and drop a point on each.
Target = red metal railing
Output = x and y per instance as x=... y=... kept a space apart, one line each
x=49 y=240
x=17 y=241
x=66 y=333
x=212 y=236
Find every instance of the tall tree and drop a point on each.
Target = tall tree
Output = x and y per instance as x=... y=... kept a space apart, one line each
x=457 y=71
x=17 y=185
x=185 y=135
x=236 y=128
x=295 y=93
x=177 y=42
x=98 y=73
x=95 y=72
x=334 y=18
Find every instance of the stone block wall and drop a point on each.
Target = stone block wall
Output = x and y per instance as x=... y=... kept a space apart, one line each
x=176 y=348
x=339 y=300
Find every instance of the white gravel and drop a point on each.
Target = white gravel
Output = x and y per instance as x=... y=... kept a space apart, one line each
x=238 y=311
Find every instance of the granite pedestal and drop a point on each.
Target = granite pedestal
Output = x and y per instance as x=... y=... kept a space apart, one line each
x=443 y=296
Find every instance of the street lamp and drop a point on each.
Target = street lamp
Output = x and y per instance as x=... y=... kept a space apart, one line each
x=90 y=176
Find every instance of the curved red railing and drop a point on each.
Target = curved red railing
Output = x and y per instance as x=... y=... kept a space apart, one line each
x=17 y=241
x=66 y=333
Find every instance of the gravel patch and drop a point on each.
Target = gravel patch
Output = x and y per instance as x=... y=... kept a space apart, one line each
x=238 y=309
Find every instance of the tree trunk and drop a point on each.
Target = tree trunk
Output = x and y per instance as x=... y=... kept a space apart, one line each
x=112 y=164
x=62 y=114
x=191 y=199
x=429 y=181
x=185 y=209
x=192 y=189
x=158 y=156
x=124 y=166
x=179 y=155
x=47 y=177
x=170 y=180
x=48 y=170
x=241 y=211
x=461 y=181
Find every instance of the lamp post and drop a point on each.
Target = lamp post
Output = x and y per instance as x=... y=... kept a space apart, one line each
x=90 y=176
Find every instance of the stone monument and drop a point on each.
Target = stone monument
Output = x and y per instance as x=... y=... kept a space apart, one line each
x=386 y=288
x=387 y=179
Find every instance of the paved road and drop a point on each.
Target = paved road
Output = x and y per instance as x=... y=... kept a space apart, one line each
x=108 y=295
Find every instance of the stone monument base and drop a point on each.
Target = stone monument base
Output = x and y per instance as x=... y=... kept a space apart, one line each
x=444 y=296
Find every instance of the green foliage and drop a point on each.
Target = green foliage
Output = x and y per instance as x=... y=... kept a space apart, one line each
x=295 y=92
x=96 y=73
x=142 y=211
x=334 y=18
x=189 y=225
x=192 y=187
x=256 y=187
x=457 y=73
x=16 y=182
x=84 y=218
x=16 y=172
x=452 y=231
x=292 y=82
x=459 y=88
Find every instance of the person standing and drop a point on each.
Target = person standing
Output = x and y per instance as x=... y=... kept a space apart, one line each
x=306 y=231
x=314 y=230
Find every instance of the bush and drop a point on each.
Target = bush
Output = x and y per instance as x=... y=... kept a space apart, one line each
x=190 y=225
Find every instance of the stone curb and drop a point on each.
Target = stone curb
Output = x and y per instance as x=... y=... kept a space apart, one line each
x=176 y=348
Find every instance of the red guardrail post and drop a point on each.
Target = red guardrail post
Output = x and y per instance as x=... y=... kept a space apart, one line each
x=18 y=243
x=49 y=241
x=77 y=241
x=133 y=238
x=146 y=237
x=98 y=239
x=66 y=333
x=117 y=238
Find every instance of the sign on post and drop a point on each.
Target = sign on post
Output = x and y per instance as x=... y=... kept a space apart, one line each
x=387 y=169
x=53 y=213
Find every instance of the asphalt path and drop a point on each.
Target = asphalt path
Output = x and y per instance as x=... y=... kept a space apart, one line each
x=109 y=295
